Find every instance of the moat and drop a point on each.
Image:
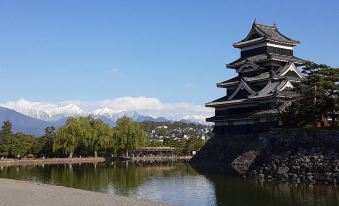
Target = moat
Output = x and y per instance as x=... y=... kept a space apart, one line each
x=174 y=183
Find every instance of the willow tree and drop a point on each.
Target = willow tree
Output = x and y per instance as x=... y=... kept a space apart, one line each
x=66 y=138
x=98 y=135
x=129 y=135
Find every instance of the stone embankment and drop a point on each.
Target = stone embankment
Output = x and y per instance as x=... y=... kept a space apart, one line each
x=298 y=155
x=220 y=151
x=14 y=162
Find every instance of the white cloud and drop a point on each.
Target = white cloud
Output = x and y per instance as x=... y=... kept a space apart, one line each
x=113 y=71
x=188 y=84
x=144 y=105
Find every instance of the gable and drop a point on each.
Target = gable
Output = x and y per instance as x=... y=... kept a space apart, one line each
x=241 y=94
x=247 y=67
x=242 y=91
x=287 y=86
x=254 y=35
x=292 y=71
x=292 y=74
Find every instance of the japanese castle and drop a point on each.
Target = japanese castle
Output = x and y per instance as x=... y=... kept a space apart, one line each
x=266 y=74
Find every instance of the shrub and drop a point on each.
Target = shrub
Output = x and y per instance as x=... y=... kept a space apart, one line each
x=30 y=156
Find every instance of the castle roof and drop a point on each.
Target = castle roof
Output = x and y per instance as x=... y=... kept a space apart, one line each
x=274 y=88
x=265 y=57
x=236 y=80
x=260 y=33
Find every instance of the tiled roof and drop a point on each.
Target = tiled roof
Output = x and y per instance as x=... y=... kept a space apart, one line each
x=236 y=80
x=265 y=57
x=264 y=75
x=271 y=32
x=265 y=32
x=270 y=88
x=286 y=67
x=230 y=81
x=266 y=112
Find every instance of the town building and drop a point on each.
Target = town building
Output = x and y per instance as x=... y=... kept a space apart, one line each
x=267 y=71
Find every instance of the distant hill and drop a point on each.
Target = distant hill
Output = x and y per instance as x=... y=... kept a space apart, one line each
x=30 y=122
x=23 y=123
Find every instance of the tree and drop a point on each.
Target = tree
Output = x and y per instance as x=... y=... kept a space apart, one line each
x=318 y=97
x=22 y=144
x=129 y=135
x=97 y=134
x=83 y=134
x=6 y=129
x=47 y=140
x=66 y=138
x=5 y=138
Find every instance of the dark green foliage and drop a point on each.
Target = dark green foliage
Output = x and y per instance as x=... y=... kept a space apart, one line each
x=15 y=145
x=47 y=141
x=30 y=156
x=319 y=97
x=6 y=129
x=128 y=135
x=183 y=146
x=87 y=136
x=83 y=133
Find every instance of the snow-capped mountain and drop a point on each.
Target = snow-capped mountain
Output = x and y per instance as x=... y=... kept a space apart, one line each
x=47 y=112
x=198 y=119
x=114 y=115
x=60 y=112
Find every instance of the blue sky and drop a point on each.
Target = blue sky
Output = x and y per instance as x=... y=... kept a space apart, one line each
x=174 y=51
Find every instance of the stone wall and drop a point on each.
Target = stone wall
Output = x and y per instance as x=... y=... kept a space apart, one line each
x=300 y=155
x=220 y=151
x=285 y=154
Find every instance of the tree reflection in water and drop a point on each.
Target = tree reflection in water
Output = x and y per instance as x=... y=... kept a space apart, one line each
x=242 y=192
x=122 y=176
x=176 y=183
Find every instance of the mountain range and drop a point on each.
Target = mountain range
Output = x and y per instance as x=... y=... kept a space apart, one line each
x=32 y=119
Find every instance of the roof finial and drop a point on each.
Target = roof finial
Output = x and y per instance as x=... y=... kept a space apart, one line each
x=254 y=22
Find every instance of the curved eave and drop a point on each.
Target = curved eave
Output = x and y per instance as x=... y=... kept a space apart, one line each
x=249 y=42
x=240 y=45
x=232 y=84
x=270 y=56
x=237 y=102
x=226 y=85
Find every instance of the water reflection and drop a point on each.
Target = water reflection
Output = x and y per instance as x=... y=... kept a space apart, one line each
x=169 y=182
x=240 y=192
x=175 y=183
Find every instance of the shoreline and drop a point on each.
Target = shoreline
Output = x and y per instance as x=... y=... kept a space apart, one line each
x=21 y=193
x=158 y=159
x=49 y=161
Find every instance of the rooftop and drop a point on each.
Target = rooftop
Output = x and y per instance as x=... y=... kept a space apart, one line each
x=265 y=57
x=260 y=33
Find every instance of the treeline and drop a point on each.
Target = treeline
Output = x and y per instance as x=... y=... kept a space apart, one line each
x=86 y=136
x=318 y=98
x=83 y=136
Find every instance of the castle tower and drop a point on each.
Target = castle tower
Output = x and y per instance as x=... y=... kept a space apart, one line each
x=267 y=72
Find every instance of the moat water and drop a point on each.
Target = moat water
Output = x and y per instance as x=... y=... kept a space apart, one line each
x=174 y=183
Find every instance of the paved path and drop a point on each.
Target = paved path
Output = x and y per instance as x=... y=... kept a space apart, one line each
x=21 y=193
